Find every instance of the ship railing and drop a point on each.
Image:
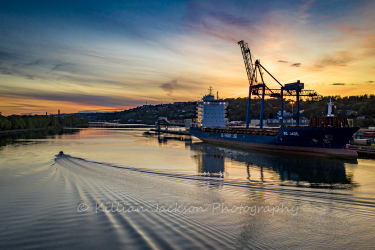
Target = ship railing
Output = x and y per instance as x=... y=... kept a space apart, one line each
x=249 y=131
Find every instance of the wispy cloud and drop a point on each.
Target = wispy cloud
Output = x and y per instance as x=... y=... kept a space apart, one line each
x=6 y=70
x=295 y=64
x=65 y=67
x=169 y=87
x=83 y=99
x=338 y=59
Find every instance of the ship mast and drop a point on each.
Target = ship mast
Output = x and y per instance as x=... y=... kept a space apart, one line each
x=330 y=105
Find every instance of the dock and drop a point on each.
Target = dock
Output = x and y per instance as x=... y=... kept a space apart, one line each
x=369 y=150
x=117 y=125
x=163 y=125
x=176 y=132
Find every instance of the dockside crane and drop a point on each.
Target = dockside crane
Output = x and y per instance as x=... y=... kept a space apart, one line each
x=260 y=89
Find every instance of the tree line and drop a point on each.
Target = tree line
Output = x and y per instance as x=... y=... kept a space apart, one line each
x=360 y=108
x=17 y=122
x=148 y=114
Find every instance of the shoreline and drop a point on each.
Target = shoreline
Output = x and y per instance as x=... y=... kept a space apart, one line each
x=23 y=131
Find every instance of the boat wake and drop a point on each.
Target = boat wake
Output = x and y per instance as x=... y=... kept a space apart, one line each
x=166 y=209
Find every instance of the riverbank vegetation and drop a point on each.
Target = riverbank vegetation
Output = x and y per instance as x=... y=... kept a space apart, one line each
x=359 y=108
x=149 y=114
x=34 y=122
x=15 y=136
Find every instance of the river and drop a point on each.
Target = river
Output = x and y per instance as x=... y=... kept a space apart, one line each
x=127 y=188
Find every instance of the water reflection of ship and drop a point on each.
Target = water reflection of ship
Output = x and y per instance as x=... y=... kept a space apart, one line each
x=208 y=163
x=315 y=172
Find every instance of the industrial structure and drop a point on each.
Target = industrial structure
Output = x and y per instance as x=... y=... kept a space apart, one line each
x=325 y=136
x=259 y=88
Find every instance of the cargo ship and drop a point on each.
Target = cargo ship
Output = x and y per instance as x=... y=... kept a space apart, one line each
x=324 y=135
x=329 y=141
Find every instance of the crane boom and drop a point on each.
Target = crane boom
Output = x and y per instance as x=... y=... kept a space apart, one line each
x=250 y=70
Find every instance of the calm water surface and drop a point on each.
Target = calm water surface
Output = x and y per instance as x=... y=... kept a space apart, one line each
x=131 y=189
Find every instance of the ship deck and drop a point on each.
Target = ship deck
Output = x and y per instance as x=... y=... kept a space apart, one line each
x=242 y=130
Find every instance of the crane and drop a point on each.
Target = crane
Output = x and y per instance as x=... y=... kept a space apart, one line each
x=258 y=87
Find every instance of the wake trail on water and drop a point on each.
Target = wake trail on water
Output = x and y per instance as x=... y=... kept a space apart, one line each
x=203 y=180
x=103 y=183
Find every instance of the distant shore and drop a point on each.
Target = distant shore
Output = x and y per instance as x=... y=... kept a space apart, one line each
x=22 y=131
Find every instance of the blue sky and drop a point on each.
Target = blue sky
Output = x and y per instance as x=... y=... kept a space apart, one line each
x=114 y=55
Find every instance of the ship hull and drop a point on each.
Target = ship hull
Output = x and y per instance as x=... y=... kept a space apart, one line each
x=329 y=141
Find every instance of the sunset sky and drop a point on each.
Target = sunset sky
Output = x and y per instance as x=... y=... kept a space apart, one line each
x=114 y=55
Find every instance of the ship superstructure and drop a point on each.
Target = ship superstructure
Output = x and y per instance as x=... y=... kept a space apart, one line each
x=211 y=112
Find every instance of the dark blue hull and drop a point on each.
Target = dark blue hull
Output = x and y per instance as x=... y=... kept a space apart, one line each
x=330 y=140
